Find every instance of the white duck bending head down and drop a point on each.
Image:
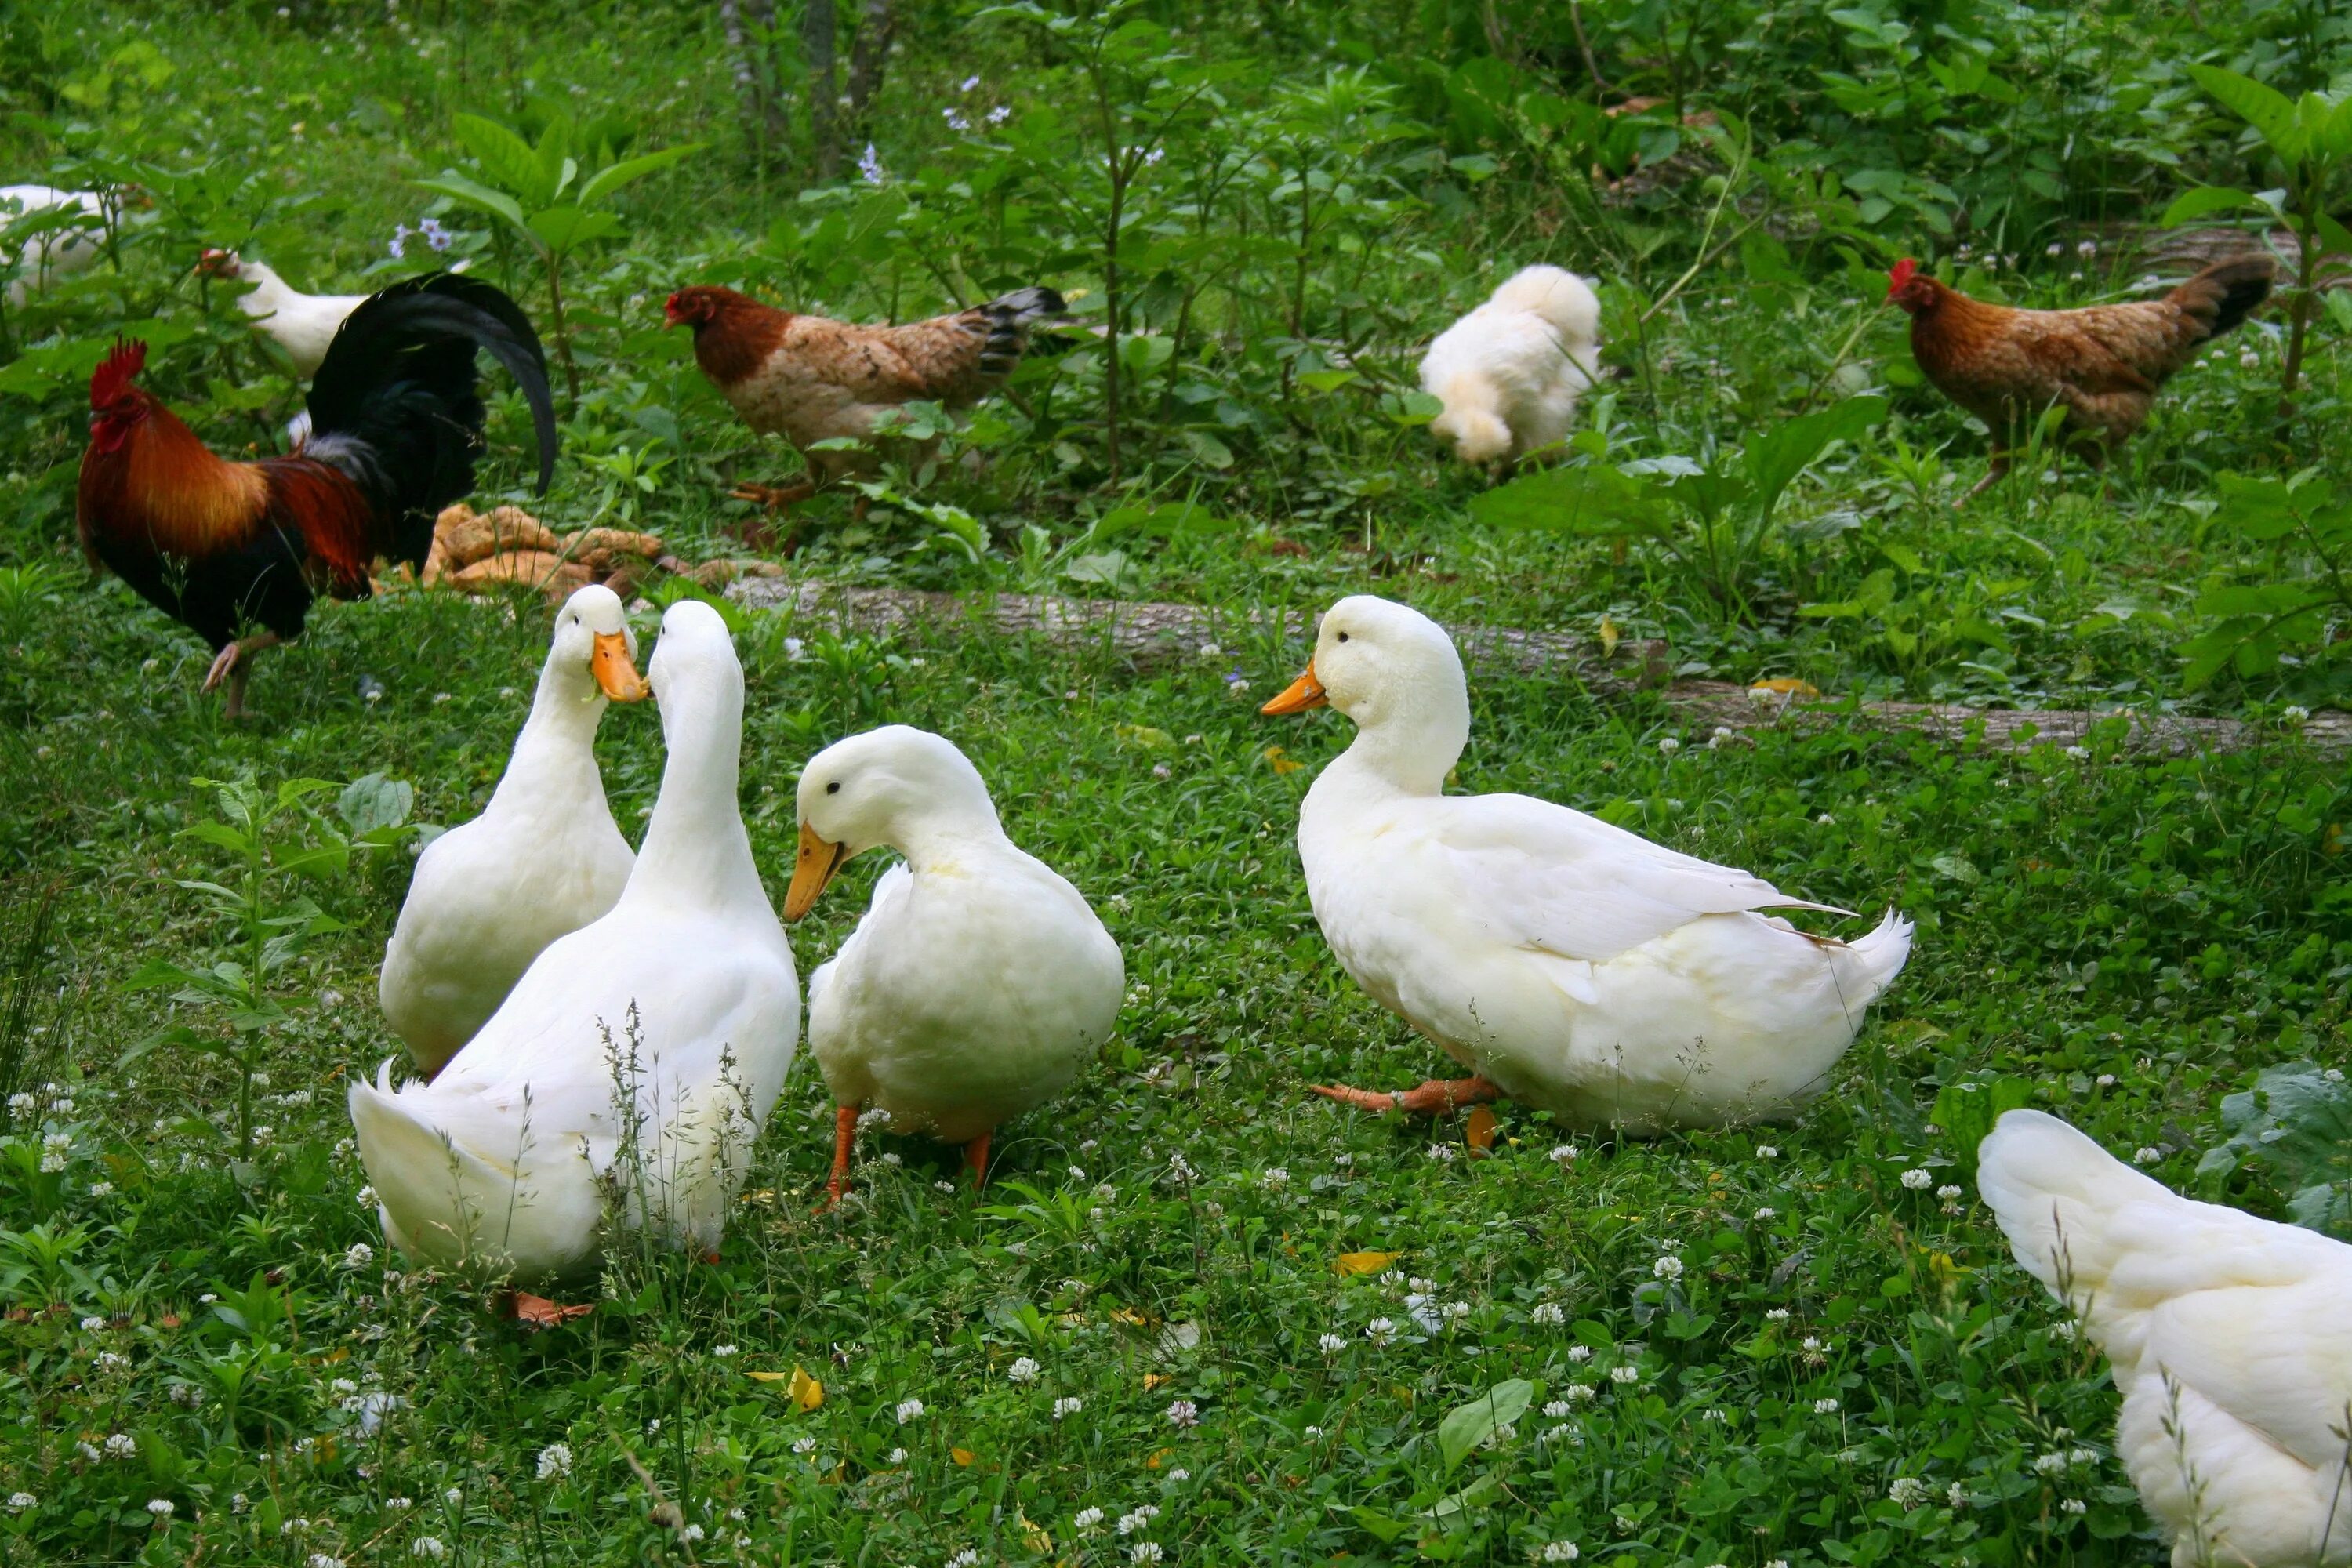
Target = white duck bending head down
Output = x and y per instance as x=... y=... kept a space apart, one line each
x=543 y=858
x=980 y=981
x=1567 y=963
x=623 y=1080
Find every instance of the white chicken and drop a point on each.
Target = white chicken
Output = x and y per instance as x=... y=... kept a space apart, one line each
x=55 y=252
x=1510 y=372
x=303 y=324
x=2230 y=1338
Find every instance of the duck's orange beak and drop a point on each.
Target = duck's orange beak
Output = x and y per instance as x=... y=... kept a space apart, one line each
x=613 y=670
x=812 y=868
x=1298 y=696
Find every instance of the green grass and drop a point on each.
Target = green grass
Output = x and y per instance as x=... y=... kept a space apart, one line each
x=2125 y=942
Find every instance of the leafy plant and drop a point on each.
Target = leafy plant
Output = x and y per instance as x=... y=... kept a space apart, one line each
x=2296 y=610
x=544 y=197
x=1714 y=523
x=2295 y=1126
x=267 y=835
x=2310 y=139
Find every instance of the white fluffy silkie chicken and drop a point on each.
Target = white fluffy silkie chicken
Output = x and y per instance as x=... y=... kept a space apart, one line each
x=543 y=859
x=303 y=324
x=1510 y=372
x=625 y=1077
x=1569 y=964
x=2230 y=1338
x=71 y=244
x=978 y=982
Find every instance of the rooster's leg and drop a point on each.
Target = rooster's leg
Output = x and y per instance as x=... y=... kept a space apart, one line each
x=772 y=499
x=1993 y=475
x=234 y=665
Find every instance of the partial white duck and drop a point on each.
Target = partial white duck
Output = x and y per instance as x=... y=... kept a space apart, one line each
x=543 y=857
x=980 y=981
x=2235 y=1333
x=46 y=257
x=1567 y=963
x=636 y=1059
x=303 y=324
x=1510 y=373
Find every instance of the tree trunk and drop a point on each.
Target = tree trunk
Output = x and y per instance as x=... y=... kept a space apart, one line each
x=869 y=56
x=818 y=48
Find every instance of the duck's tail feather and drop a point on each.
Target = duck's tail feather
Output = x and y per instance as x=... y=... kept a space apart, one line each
x=1867 y=965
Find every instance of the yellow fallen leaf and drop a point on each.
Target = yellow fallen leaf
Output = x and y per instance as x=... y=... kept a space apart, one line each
x=807 y=1392
x=1035 y=1537
x=1482 y=1132
x=1159 y=1459
x=1279 y=761
x=1131 y=1317
x=2332 y=841
x=961 y=1456
x=767 y=1376
x=1787 y=685
x=1152 y=1379
x=1143 y=735
x=1608 y=636
x=1364 y=1262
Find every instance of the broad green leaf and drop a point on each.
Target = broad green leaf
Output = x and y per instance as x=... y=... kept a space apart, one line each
x=1780 y=453
x=1467 y=1426
x=374 y=801
x=2264 y=108
x=567 y=229
x=1596 y=499
x=497 y=203
x=607 y=181
x=2192 y=204
x=1206 y=450
x=510 y=161
x=1164 y=518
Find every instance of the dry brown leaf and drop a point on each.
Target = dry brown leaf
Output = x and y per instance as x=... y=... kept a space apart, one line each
x=601 y=549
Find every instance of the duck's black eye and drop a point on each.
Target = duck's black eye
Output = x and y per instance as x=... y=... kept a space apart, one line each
x=1343 y=636
x=833 y=788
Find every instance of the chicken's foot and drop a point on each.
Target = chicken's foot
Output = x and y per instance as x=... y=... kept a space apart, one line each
x=1436 y=1097
x=234 y=664
x=1993 y=475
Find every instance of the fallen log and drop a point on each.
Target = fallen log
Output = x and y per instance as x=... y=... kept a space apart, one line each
x=1147 y=634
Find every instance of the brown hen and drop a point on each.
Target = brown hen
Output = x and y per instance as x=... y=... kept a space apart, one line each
x=2102 y=364
x=809 y=379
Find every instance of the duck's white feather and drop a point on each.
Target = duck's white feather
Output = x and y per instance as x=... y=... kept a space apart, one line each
x=2230 y=1338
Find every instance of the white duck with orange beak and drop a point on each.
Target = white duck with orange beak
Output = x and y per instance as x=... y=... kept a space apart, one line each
x=543 y=858
x=1570 y=964
x=978 y=982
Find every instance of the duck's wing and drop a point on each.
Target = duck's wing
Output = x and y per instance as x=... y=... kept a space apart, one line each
x=1547 y=878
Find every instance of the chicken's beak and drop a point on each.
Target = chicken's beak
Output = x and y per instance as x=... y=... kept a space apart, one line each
x=614 y=669
x=812 y=870
x=1298 y=696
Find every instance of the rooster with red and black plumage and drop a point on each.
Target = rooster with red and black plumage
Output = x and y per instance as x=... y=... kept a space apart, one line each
x=396 y=419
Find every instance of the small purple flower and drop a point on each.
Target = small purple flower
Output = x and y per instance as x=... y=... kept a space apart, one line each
x=869 y=167
x=436 y=237
x=955 y=120
x=969 y=83
x=999 y=115
x=399 y=241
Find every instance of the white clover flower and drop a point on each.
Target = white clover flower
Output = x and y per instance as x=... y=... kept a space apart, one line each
x=1548 y=1315
x=1560 y=1552
x=2078 y=752
x=722 y=1351
x=1332 y=1344
x=1563 y=1155
x=2147 y=1154
x=1764 y=1214
x=161 y=1507
x=2063 y=1331
x=1826 y=820
x=454 y=1497
x=1579 y=1352
x=428 y=1547
x=908 y=1410
x=1144 y=1552
x=360 y=1255
x=1919 y=1179
x=1577 y=1392
x=1825 y=1406
x=92 y=1325
x=1024 y=1370
x=2074 y=1505
x=1441 y=1152
x=1907 y=1492
x=122 y=1446
x=2049 y=1464
x=1380 y=1331
x=343 y=1385
x=112 y=1360
x=945 y=1186
x=1766 y=1151
x=1667 y=1267
x=88 y=1451
x=1275 y=1179
x=1183 y=1413
x=399 y=1504
x=1812 y=1343
x=1948 y=1193
x=1129 y=1523
x=102 y=1189
x=1556 y=1409
x=803 y=1446
x=2294 y=714
x=1180 y=1473
x=1958 y=1496
x=1777 y=1315
x=1087 y=1519
x=1668 y=746
x=898 y=1457
x=967 y=1558
x=19 y=1501
x=1624 y=1374
x=322 y=1560
x=555 y=1461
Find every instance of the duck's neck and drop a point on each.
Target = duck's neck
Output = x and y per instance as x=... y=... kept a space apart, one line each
x=696 y=850
x=554 y=760
x=937 y=840
x=1406 y=748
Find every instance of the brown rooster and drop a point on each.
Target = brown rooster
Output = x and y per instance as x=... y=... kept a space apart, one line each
x=395 y=424
x=809 y=379
x=2102 y=363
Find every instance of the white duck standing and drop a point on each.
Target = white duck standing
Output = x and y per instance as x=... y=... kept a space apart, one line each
x=1567 y=963
x=625 y=1077
x=980 y=981
x=2230 y=1338
x=543 y=858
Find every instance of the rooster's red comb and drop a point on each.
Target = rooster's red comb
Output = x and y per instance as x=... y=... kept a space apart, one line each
x=114 y=372
x=1903 y=272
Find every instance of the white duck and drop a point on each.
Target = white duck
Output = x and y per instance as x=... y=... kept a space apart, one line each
x=1567 y=963
x=980 y=981
x=303 y=324
x=510 y=1157
x=2233 y=1331
x=543 y=857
